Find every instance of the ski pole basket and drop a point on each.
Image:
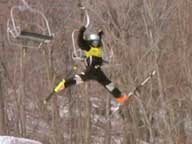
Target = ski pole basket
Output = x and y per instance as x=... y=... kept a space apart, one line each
x=28 y=27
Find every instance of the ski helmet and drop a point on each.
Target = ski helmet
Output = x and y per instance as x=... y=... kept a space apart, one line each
x=94 y=39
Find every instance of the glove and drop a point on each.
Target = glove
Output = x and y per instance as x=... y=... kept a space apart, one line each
x=100 y=33
x=82 y=29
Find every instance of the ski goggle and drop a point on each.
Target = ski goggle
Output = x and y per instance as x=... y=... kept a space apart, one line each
x=95 y=42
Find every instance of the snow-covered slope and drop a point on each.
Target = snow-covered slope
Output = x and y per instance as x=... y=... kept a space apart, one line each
x=16 y=140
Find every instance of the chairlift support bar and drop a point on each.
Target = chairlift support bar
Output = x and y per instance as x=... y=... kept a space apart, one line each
x=86 y=14
x=76 y=55
x=108 y=57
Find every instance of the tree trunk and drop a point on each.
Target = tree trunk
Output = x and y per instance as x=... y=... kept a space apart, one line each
x=87 y=117
x=2 y=106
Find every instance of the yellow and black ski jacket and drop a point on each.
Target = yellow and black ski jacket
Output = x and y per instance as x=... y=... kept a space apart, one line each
x=93 y=54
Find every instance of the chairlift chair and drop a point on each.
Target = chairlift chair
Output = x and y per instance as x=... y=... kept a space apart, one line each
x=17 y=25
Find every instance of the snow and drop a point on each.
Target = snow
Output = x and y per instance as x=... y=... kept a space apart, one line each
x=16 y=140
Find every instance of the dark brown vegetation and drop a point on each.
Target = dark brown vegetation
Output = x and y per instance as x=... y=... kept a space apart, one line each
x=144 y=35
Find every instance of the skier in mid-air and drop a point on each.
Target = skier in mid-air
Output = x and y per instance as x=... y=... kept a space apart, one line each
x=92 y=47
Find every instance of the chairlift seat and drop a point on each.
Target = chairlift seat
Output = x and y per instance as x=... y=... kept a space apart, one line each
x=35 y=36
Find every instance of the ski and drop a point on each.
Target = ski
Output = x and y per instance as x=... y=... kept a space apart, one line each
x=137 y=88
x=134 y=92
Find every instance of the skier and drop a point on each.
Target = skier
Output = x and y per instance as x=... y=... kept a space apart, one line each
x=92 y=47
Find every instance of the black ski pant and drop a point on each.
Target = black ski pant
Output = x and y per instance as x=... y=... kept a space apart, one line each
x=92 y=73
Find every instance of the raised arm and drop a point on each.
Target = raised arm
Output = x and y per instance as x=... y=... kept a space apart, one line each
x=83 y=44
